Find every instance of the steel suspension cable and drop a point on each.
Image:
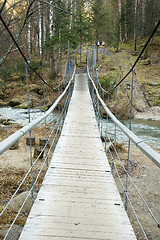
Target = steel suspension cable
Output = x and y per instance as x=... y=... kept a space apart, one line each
x=25 y=59
x=142 y=51
x=1 y=213
x=132 y=181
x=151 y=153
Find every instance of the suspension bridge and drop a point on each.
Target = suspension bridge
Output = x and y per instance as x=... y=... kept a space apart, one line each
x=78 y=198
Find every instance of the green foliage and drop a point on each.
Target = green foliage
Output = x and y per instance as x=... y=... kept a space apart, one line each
x=21 y=66
x=107 y=81
x=98 y=16
x=81 y=24
x=13 y=72
x=64 y=34
x=35 y=64
x=5 y=72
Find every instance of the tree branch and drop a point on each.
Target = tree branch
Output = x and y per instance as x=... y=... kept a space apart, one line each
x=3 y=5
x=20 y=31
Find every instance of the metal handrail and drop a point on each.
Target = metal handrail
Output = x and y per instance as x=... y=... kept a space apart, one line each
x=151 y=153
x=8 y=142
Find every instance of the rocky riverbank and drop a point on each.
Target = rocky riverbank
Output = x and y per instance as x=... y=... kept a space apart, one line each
x=152 y=114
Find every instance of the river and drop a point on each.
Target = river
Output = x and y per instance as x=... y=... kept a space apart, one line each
x=18 y=115
x=148 y=131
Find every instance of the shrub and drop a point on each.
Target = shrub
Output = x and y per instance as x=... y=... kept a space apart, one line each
x=108 y=82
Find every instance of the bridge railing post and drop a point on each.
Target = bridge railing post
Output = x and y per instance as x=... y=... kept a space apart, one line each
x=89 y=69
x=107 y=105
x=45 y=122
x=67 y=80
x=69 y=72
x=30 y=135
x=44 y=109
x=97 y=101
x=115 y=132
x=129 y=141
x=53 y=102
x=93 y=73
x=115 y=128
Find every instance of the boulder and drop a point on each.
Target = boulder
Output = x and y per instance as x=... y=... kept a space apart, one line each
x=13 y=234
x=5 y=121
x=146 y=62
x=18 y=201
x=37 y=89
x=14 y=102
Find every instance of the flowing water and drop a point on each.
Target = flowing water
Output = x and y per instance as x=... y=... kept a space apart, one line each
x=148 y=131
x=20 y=116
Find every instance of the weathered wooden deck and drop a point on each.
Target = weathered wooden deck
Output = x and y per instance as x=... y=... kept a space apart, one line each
x=78 y=198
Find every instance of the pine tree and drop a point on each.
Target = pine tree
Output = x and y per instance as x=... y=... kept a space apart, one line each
x=98 y=16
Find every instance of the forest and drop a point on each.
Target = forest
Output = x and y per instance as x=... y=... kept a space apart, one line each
x=44 y=29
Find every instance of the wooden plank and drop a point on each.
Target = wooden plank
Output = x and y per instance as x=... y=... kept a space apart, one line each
x=79 y=198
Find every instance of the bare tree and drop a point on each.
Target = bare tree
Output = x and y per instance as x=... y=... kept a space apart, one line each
x=52 y=30
x=27 y=14
x=40 y=31
x=29 y=38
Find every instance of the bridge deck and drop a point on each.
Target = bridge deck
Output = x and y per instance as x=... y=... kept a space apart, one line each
x=78 y=198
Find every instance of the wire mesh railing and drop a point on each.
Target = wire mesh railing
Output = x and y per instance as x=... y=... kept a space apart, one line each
x=46 y=129
x=122 y=169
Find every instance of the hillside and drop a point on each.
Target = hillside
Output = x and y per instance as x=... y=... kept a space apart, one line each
x=112 y=65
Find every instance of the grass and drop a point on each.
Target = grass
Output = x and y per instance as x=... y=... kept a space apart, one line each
x=147 y=75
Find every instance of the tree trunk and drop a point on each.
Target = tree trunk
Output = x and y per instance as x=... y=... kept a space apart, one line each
x=51 y=15
x=70 y=25
x=44 y=28
x=125 y=24
x=37 y=43
x=52 y=65
x=120 y=19
x=143 y=17
x=40 y=32
x=80 y=53
x=29 y=39
x=60 y=54
x=135 y=25
x=51 y=30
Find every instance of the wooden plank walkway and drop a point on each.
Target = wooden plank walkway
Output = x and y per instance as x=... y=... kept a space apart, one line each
x=78 y=198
